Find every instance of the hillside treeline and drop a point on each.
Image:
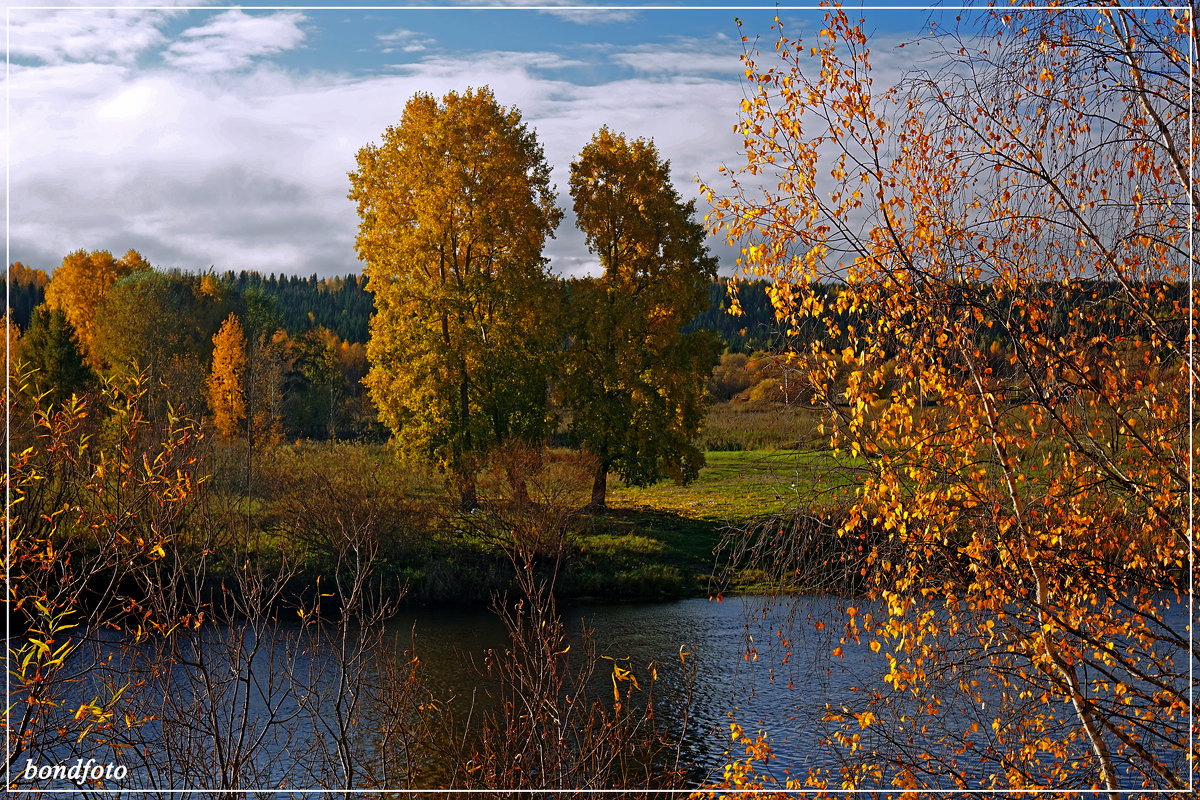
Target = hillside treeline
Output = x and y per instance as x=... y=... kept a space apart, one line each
x=308 y=336
x=103 y=317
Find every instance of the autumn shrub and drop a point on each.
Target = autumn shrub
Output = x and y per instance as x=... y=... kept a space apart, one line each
x=729 y=377
x=411 y=726
x=548 y=725
x=752 y=774
x=322 y=497
x=96 y=510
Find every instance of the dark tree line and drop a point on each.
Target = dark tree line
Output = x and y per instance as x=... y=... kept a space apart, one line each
x=342 y=304
x=26 y=291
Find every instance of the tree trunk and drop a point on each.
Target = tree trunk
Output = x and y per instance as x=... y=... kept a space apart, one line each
x=599 y=505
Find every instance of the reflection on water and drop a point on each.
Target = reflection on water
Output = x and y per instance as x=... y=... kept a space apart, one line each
x=767 y=664
x=762 y=663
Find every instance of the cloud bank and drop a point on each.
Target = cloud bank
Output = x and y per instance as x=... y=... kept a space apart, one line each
x=190 y=138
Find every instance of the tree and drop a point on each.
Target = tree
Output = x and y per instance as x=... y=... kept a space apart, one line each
x=161 y=324
x=267 y=364
x=455 y=205
x=635 y=383
x=226 y=392
x=52 y=349
x=1025 y=525
x=26 y=291
x=78 y=286
x=316 y=362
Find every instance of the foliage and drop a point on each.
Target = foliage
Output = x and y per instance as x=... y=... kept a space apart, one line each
x=79 y=284
x=633 y=380
x=1032 y=516
x=92 y=517
x=752 y=775
x=26 y=290
x=162 y=324
x=320 y=363
x=455 y=205
x=150 y=315
x=343 y=304
x=51 y=348
x=268 y=360
x=226 y=389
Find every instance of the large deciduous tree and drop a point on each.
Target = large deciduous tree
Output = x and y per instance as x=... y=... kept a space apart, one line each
x=635 y=382
x=161 y=324
x=455 y=205
x=79 y=284
x=1011 y=235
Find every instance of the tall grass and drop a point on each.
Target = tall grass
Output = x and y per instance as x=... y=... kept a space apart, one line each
x=741 y=425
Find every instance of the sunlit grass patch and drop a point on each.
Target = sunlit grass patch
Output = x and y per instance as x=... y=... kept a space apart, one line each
x=737 y=485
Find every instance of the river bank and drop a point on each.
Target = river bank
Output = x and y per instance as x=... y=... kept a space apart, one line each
x=309 y=502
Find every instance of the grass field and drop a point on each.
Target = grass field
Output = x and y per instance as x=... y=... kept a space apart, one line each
x=736 y=485
x=680 y=527
x=737 y=425
x=655 y=541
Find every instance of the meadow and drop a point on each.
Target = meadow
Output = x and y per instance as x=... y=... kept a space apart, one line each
x=655 y=542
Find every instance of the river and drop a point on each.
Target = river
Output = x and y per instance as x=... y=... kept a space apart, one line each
x=764 y=664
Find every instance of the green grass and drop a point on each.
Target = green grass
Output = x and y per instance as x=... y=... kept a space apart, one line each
x=662 y=540
x=655 y=542
x=738 y=485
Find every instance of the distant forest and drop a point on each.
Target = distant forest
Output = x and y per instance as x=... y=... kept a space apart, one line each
x=344 y=306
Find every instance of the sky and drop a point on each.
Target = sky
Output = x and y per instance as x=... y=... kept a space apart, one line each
x=222 y=137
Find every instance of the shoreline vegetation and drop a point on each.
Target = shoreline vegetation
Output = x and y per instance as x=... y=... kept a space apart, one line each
x=768 y=470
x=660 y=542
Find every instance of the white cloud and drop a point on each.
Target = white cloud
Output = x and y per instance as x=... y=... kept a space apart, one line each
x=404 y=41
x=579 y=16
x=248 y=169
x=683 y=57
x=232 y=40
x=57 y=36
x=593 y=16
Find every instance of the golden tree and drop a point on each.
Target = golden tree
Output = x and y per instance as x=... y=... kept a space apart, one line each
x=79 y=284
x=456 y=204
x=226 y=392
x=634 y=380
x=1009 y=238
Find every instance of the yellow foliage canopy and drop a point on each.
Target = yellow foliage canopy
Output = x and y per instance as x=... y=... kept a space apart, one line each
x=79 y=284
x=226 y=392
x=455 y=205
